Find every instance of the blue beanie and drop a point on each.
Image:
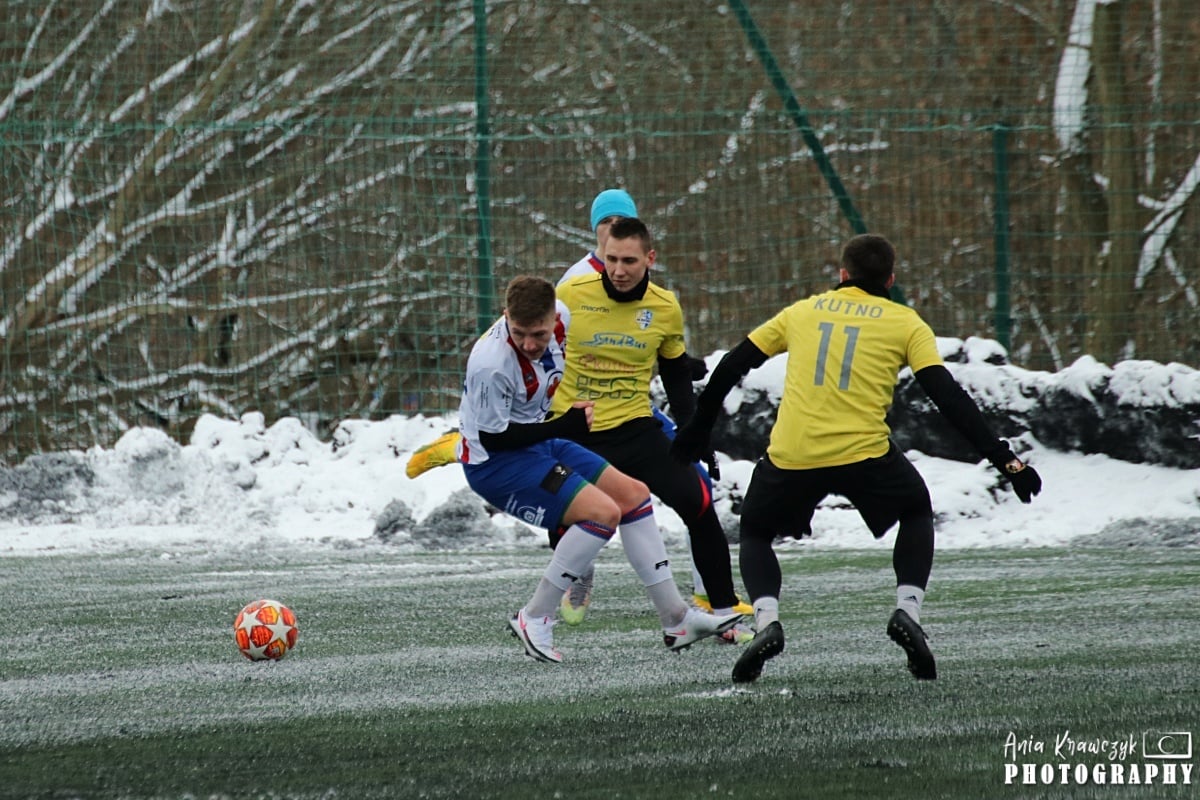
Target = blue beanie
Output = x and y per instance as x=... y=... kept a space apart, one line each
x=612 y=203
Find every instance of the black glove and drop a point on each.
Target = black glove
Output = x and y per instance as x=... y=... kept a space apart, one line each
x=1024 y=478
x=698 y=367
x=1025 y=482
x=692 y=444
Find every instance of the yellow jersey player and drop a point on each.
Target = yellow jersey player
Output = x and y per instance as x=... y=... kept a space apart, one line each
x=845 y=350
x=623 y=327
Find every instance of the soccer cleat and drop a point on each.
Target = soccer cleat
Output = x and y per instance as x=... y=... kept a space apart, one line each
x=576 y=599
x=909 y=635
x=765 y=646
x=537 y=634
x=701 y=602
x=697 y=625
x=438 y=453
x=740 y=633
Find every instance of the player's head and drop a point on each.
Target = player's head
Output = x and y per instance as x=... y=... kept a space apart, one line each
x=531 y=313
x=629 y=253
x=608 y=207
x=869 y=257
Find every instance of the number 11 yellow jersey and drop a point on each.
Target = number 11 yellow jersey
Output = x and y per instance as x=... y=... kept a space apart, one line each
x=845 y=349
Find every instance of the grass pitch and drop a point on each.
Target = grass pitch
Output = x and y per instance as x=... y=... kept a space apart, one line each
x=120 y=679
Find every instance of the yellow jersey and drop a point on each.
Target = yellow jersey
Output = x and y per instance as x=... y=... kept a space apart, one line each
x=845 y=350
x=612 y=348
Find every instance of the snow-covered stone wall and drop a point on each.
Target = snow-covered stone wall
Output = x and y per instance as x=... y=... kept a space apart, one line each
x=1137 y=411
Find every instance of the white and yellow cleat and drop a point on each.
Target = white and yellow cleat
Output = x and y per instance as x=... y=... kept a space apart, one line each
x=700 y=601
x=438 y=453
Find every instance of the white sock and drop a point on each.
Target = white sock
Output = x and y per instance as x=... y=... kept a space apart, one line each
x=668 y=603
x=545 y=600
x=766 y=611
x=576 y=551
x=647 y=555
x=909 y=599
x=643 y=544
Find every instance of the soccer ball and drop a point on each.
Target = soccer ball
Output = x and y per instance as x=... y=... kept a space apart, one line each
x=265 y=629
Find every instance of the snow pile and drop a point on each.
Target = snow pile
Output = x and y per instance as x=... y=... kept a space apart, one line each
x=241 y=481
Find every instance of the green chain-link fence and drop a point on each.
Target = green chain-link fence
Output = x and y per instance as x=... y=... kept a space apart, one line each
x=309 y=208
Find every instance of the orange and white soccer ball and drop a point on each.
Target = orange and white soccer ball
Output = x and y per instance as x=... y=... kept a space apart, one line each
x=265 y=630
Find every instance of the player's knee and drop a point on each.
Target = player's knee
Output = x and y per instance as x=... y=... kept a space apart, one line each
x=609 y=514
x=596 y=507
x=628 y=493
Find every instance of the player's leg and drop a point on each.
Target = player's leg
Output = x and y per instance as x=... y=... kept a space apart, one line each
x=885 y=491
x=540 y=489
x=647 y=554
x=774 y=500
x=576 y=600
x=699 y=593
x=441 y=451
x=642 y=450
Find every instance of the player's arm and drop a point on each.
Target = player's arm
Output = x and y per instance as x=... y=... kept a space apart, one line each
x=692 y=440
x=676 y=374
x=963 y=413
x=573 y=423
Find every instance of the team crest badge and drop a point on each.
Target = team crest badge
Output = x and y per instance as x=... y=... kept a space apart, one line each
x=644 y=318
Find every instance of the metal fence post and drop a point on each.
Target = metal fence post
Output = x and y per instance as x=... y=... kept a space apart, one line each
x=1003 y=311
x=485 y=287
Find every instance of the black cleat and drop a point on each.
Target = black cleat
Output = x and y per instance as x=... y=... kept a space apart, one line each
x=908 y=634
x=766 y=644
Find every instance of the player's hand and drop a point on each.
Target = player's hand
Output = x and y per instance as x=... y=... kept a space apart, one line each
x=691 y=444
x=589 y=410
x=1025 y=480
x=698 y=368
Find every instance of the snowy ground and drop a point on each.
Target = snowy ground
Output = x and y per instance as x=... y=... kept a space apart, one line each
x=240 y=482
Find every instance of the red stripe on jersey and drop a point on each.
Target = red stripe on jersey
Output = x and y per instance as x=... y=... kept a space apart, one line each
x=528 y=373
x=595 y=261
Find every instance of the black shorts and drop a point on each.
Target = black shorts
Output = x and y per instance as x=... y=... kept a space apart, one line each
x=640 y=449
x=884 y=490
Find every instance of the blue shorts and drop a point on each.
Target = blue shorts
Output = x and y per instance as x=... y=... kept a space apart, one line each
x=536 y=484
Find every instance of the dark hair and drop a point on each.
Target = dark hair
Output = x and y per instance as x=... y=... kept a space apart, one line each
x=529 y=299
x=631 y=228
x=869 y=257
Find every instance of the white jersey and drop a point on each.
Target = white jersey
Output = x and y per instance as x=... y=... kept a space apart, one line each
x=588 y=265
x=503 y=386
